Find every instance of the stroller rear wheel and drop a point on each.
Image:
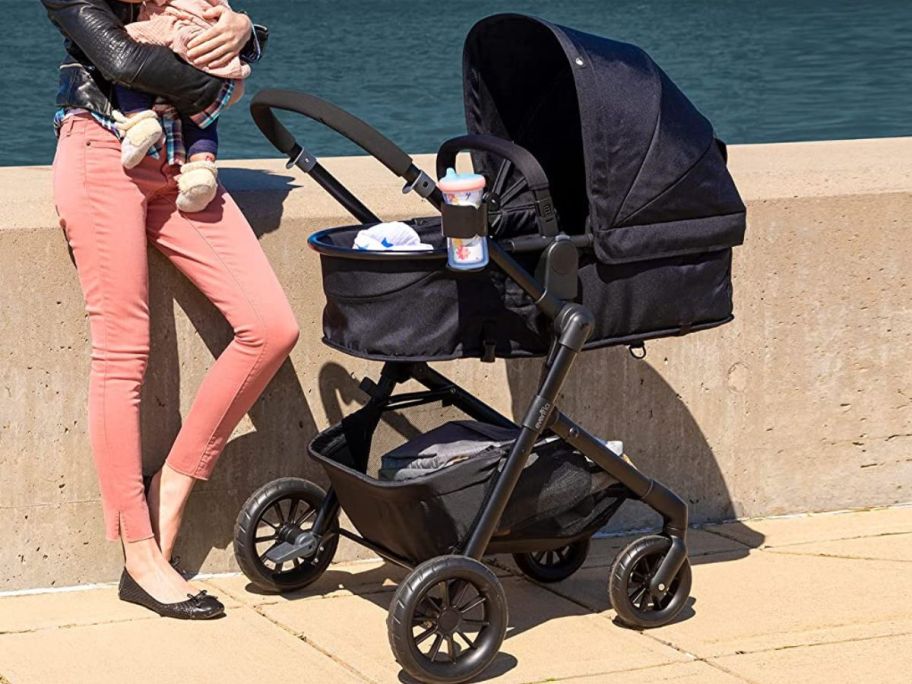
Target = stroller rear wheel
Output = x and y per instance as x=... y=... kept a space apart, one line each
x=628 y=586
x=447 y=620
x=553 y=565
x=278 y=512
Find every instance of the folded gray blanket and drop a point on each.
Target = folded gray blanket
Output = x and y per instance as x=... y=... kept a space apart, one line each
x=451 y=443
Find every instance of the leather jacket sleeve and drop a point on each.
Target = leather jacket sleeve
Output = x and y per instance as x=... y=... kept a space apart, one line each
x=98 y=33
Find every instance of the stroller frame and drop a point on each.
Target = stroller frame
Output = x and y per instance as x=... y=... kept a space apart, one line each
x=572 y=326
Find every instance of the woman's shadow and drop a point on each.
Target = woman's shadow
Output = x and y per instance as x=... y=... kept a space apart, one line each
x=275 y=431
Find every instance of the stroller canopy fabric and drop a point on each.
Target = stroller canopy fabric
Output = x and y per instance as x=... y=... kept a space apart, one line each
x=628 y=156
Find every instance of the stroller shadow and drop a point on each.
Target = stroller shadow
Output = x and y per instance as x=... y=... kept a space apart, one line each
x=271 y=446
x=648 y=415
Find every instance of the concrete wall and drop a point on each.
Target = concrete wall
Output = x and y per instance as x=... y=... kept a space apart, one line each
x=804 y=403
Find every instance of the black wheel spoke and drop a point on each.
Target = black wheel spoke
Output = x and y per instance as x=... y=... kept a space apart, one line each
x=292 y=511
x=477 y=601
x=451 y=648
x=446 y=595
x=435 y=648
x=469 y=642
x=259 y=540
x=425 y=635
x=305 y=516
x=645 y=598
x=461 y=593
x=278 y=509
x=475 y=623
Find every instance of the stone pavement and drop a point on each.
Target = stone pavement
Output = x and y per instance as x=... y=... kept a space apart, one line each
x=819 y=598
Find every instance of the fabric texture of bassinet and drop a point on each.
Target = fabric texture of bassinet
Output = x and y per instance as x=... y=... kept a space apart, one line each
x=630 y=162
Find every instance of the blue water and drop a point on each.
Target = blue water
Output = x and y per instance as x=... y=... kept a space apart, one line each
x=761 y=71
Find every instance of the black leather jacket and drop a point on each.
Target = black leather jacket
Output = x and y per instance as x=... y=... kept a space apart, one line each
x=100 y=52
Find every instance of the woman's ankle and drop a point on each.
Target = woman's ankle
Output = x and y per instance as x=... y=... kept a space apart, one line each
x=167 y=498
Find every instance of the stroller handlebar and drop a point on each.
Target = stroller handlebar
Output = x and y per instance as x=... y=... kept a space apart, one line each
x=347 y=125
x=520 y=157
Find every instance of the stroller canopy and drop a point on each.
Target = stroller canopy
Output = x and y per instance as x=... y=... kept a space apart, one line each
x=628 y=156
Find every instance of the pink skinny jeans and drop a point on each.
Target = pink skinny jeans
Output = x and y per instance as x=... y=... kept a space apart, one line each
x=108 y=214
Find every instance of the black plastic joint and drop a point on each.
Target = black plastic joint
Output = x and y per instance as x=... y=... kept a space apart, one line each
x=423 y=185
x=301 y=158
x=539 y=415
x=574 y=325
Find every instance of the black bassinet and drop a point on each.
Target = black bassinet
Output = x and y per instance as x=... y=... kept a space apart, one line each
x=631 y=164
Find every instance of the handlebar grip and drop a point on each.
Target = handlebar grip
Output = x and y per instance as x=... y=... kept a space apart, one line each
x=348 y=125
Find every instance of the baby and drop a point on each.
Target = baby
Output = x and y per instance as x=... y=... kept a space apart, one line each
x=174 y=23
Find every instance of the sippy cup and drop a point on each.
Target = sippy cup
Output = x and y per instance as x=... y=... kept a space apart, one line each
x=464 y=189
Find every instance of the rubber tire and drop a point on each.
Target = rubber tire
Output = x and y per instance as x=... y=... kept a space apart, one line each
x=531 y=568
x=246 y=527
x=409 y=594
x=618 y=583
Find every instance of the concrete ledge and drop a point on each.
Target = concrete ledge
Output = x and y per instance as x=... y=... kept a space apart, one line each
x=804 y=403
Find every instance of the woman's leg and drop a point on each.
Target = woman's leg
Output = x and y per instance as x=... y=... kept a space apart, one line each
x=102 y=210
x=219 y=253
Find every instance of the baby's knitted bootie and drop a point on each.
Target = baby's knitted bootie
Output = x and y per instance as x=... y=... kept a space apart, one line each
x=140 y=131
x=197 y=184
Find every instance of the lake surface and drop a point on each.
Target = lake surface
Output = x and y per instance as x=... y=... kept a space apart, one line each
x=761 y=71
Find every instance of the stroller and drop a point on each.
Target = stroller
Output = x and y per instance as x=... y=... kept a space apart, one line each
x=610 y=218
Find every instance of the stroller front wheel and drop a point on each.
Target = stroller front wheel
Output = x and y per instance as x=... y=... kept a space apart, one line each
x=447 y=620
x=278 y=512
x=628 y=587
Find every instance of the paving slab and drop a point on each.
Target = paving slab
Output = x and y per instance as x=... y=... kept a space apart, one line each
x=817 y=527
x=548 y=638
x=31 y=612
x=241 y=648
x=773 y=600
x=695 y=672
x=885 y=660
x=895 y=547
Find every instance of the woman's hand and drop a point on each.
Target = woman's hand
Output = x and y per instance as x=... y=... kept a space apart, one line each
x=218 y=45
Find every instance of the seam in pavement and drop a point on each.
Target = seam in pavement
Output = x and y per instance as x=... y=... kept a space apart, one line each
x=836 y=642
x=767 y=547
x=839 y=556
x=609 y=673
x=74 y=625
x=304 y=640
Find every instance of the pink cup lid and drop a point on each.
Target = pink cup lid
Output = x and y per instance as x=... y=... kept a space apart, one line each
x=461 y=182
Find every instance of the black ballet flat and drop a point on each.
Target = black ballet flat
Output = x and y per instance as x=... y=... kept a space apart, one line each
x=197 y=607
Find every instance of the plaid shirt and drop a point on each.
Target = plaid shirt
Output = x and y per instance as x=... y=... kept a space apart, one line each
x=171 y=146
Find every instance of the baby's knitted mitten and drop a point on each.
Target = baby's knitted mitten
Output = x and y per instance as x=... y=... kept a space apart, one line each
x=140 y=131
x=197 y=183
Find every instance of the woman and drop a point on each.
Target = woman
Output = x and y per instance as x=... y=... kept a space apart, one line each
x=108 y=213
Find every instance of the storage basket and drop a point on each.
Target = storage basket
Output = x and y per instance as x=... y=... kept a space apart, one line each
x=560 y=495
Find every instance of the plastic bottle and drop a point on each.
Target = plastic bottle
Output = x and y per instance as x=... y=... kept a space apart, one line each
x=465 y=189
